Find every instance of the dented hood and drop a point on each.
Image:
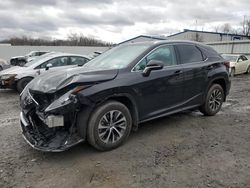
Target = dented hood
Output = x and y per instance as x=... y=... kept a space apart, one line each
x=53 y=81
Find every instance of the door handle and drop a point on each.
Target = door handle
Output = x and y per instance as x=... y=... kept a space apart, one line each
x=178 y=72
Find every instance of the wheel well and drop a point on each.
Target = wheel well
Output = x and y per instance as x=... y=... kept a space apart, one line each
x=131 y=106
x=222 y=83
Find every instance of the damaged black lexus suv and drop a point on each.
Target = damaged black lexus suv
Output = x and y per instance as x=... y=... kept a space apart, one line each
x=109 y=96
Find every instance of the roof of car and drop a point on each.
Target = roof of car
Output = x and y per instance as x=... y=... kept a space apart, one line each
x=58 y=54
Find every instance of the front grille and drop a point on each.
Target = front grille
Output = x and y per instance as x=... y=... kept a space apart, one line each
x=43 y=100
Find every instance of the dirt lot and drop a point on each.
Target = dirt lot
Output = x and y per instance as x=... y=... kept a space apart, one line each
x=183 y=150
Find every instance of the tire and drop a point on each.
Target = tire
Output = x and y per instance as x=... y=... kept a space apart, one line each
x=248 y=70
x=21 y=63
x=213 y=101
x=104 y=135
x=21 y=84
x=232 y=74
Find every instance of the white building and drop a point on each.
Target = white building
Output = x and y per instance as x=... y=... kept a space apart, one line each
x=206 y=36
x=201 y=36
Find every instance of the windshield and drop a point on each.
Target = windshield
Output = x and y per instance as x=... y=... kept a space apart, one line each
x=231 y=58
x=116 y=58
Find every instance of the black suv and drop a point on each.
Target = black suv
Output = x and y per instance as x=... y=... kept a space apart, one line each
x=109 y=96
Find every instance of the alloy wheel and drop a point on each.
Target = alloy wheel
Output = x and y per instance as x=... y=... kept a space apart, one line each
x=112 y=126
x=215 y=100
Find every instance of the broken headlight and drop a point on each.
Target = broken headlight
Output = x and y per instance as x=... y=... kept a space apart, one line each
x=66 y=101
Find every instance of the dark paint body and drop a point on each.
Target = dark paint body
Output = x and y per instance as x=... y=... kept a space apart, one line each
x=166 y=91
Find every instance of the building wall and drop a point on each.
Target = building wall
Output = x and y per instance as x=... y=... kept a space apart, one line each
x=6 y=52
x=232 y=47
x=203 y=37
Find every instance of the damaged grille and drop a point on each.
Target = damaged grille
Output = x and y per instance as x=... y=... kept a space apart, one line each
x=43 y=100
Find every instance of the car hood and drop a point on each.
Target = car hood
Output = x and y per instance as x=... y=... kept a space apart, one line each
x=53 y=81
x=13 y=70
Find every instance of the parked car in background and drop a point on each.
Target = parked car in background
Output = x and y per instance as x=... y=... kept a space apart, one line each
x=18 y=77
x=4 y=64
x=110 y=95
x=21 y=60
x=239 y=64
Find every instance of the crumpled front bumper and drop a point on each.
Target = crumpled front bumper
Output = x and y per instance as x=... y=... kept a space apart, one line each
x=40 y=137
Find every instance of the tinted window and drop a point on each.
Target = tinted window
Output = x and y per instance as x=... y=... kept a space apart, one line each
x=244 y=58
x=165 y=54
x=189 y=53
x=78 y=61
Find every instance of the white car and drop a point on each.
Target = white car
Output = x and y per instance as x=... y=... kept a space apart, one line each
x=18 y=77
x=239 y=64
x=3 y=64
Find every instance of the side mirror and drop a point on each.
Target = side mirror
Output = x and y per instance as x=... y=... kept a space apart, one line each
x=48 y=66
x=152 y=65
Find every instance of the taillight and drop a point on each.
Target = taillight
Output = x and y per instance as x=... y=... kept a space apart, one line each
x=227 y=64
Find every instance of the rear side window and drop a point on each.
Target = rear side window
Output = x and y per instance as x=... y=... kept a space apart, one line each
x=189 y=54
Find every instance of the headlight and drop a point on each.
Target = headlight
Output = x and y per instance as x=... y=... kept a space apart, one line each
x=8 y=76
x=66 y=100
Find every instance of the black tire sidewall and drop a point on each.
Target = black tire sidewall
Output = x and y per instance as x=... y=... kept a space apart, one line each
x=22 y=83
x=97 y=114
x=208 y=111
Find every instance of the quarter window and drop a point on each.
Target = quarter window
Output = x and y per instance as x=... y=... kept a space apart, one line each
x=165 y=54
x=189 y=54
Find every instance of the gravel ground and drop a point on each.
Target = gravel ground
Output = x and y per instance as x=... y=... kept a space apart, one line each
x=182 y=150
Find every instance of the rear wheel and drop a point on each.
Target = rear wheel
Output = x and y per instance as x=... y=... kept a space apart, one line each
x=214 y=99
x=21 y=84
x=109 y=126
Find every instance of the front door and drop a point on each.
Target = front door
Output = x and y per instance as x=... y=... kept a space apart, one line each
x=162 y=90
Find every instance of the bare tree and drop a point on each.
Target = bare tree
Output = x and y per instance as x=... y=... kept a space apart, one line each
x=246 y=26
x=73 y=39
x=226 y=28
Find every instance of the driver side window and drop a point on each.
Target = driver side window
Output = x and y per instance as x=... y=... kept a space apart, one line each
x=165 y=54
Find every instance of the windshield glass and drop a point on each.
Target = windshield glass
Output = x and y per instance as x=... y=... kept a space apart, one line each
x=116 y=58
x=231 y=58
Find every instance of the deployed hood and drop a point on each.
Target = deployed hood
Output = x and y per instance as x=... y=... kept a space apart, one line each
x=13 y=70
x=53 y=81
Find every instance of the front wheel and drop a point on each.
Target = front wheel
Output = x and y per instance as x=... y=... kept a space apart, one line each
x=213 y=102
x=109 y=126
x=248 y=70
x=21 y=84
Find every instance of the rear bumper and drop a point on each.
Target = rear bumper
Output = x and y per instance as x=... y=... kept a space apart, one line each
x=42 y=138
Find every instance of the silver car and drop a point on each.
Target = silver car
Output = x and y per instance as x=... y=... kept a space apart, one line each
x=3 y=64
x=18 y=77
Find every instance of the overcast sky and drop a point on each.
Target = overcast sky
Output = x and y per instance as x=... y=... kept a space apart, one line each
x=115 y=21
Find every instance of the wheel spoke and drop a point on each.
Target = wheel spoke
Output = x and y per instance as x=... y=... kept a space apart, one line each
x=120 y=120
x=107 y=138
x=112 y=126
x=118 y=132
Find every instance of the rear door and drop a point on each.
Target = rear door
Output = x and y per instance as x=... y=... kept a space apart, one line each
x=194 y=73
